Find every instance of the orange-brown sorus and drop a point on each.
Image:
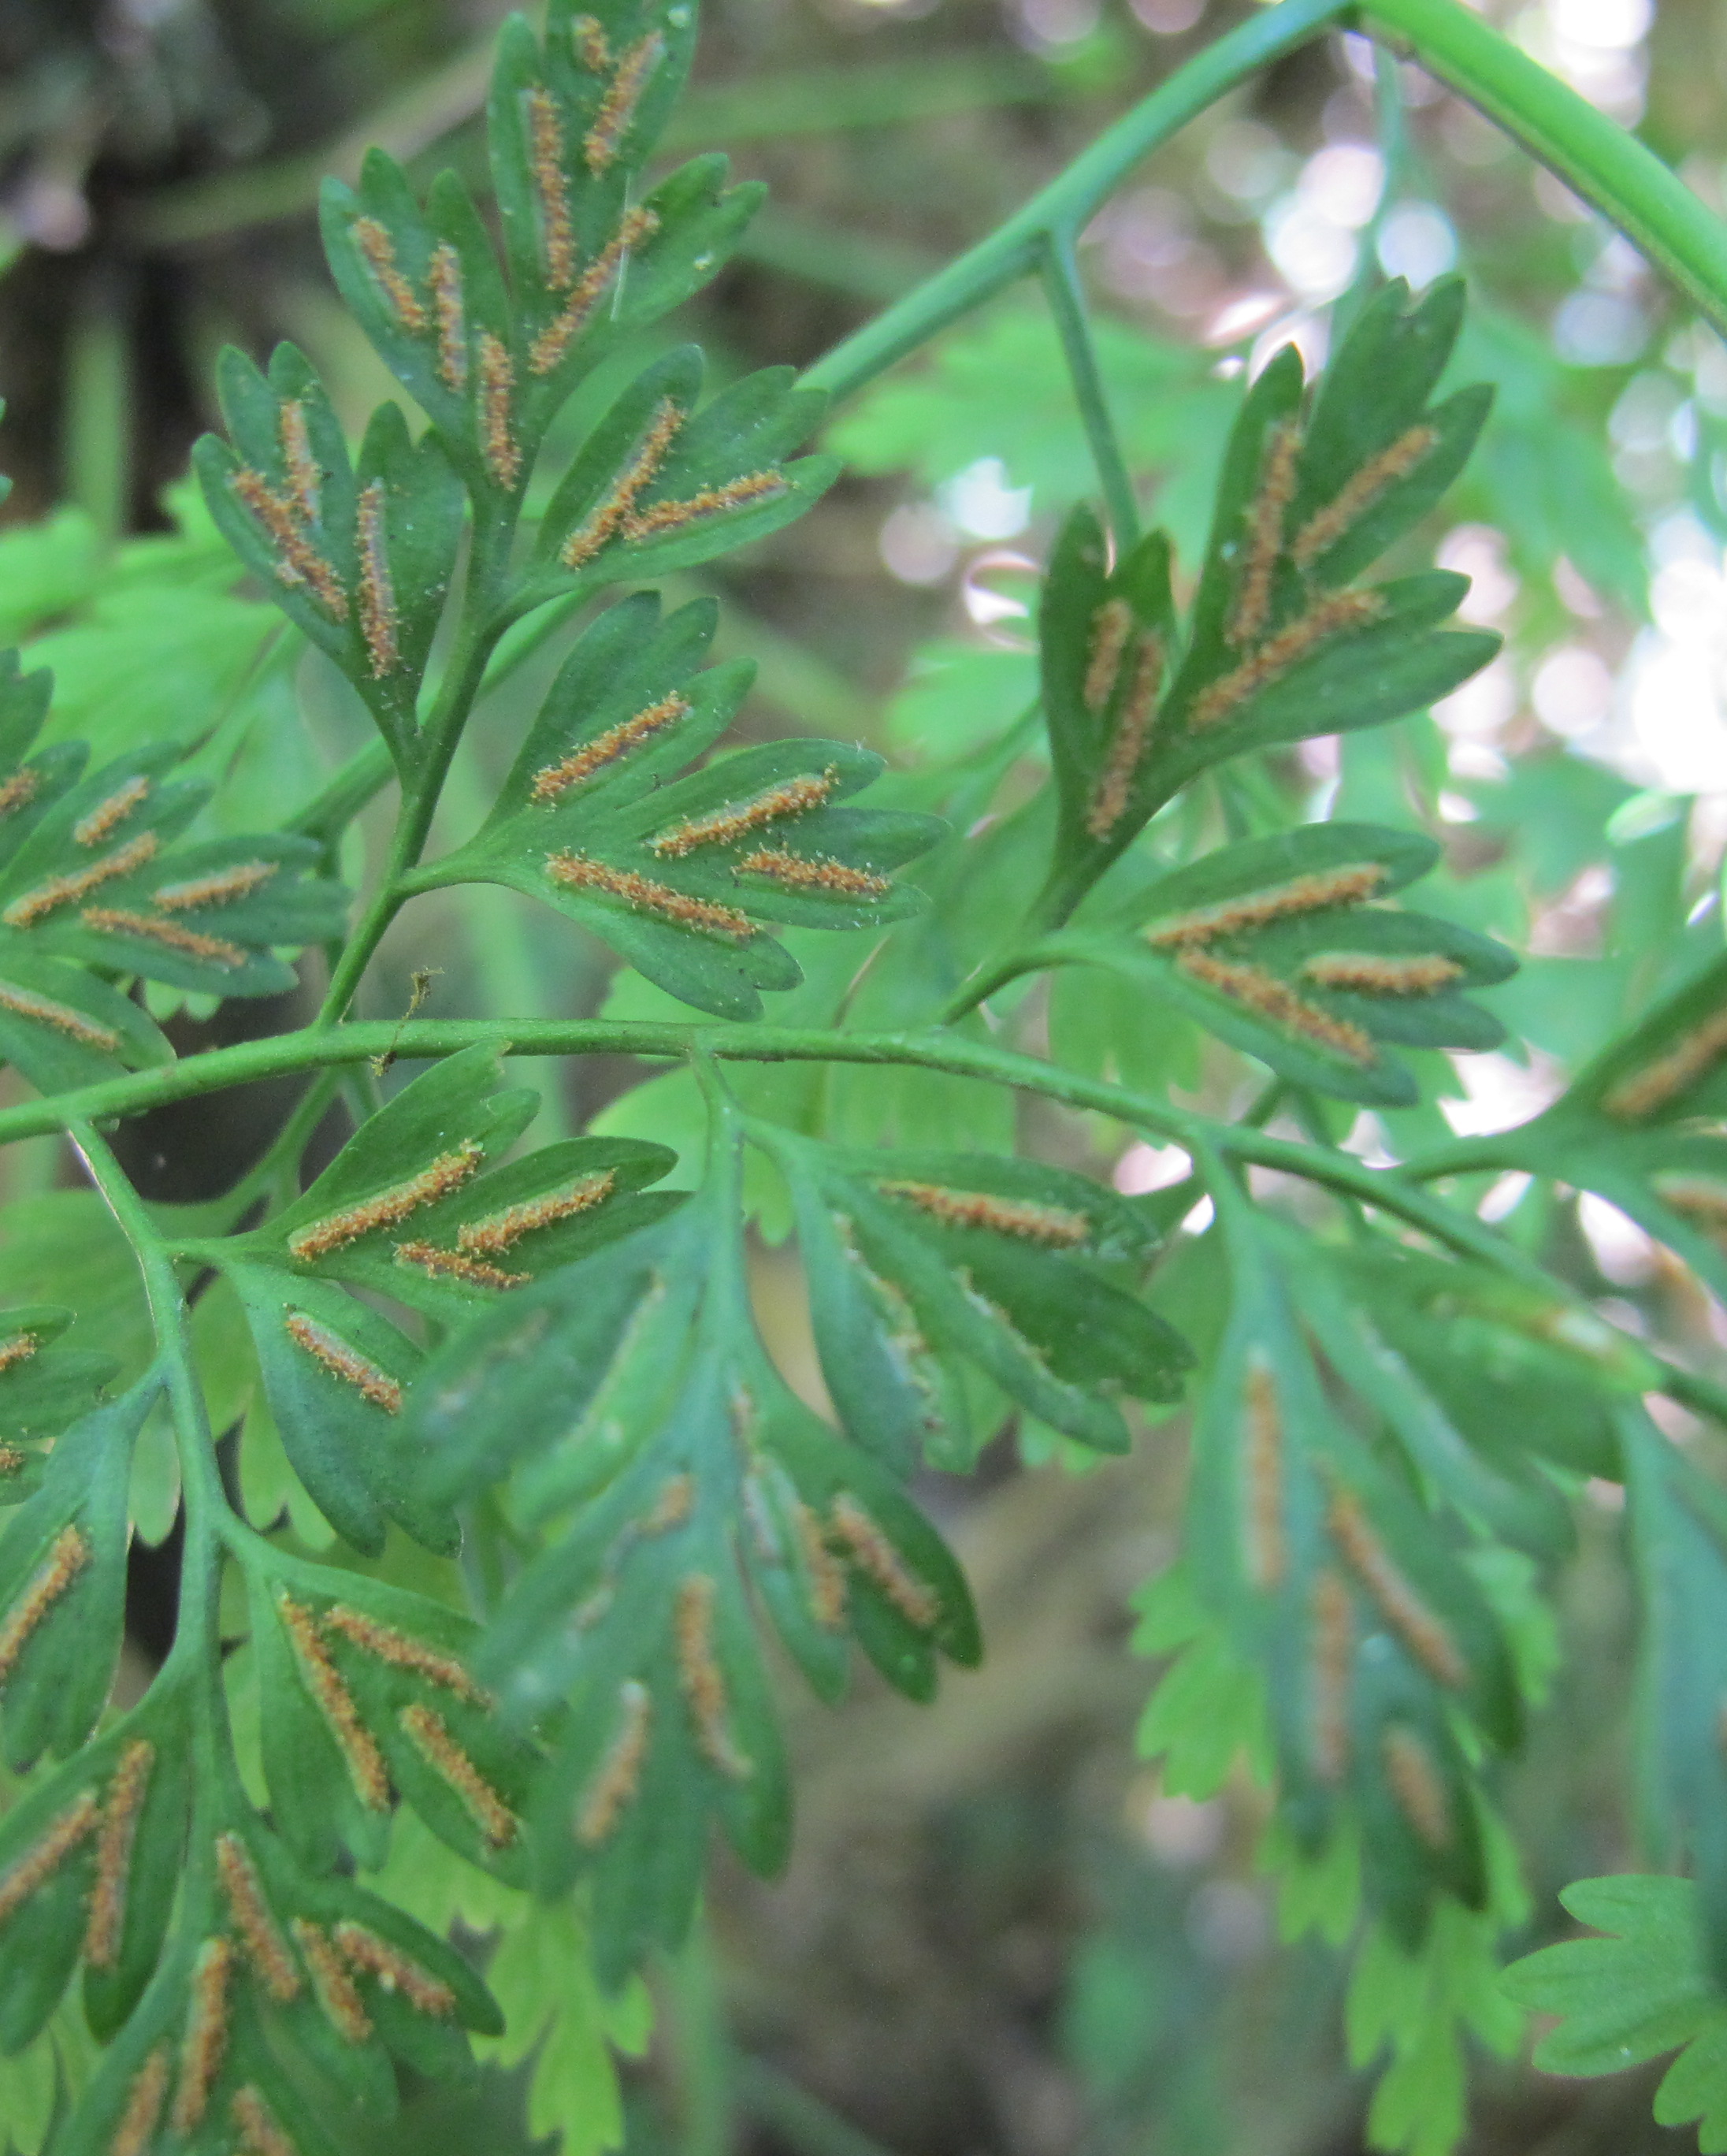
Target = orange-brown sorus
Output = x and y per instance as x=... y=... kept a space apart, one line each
x=720 y=827
x=18 y=1348
x=12 y=1460
x=589 y=43
x=305 y=478
x=145 y=2098
x=1056 y=1226
x=105 y=1918
x=402 y=1651
x=25 y=1003
x=497 y=433
x=1417 y=1785
x=58 y=891
x=117 y=921
x=589 y=289
x=260 y=2131
x=1263 y=1474
x=356 y=1742
x=876 y=1557
x=297 y=560
x=1326 y=617
x=672 y=1507
x=619 y=1773
x=663 y=516
x=1333 y=1616
x=1322 y=530
x=699 y=1674
x=394 y=1970
x=20 y=790
x=551 y=187
x=447 y=301
x=456 y=1265
x=1127 y=745
x=1111 y=626
x=337 y=1995
x=580 y=872
x=203 y=2047
x=1263 y=993
x=65 y=1560
x=556 y=779
x=1263 y=544
x=615 y=510
x=344 y=1362
x=268 y=1952
x=1349 y=884
x=39 y=1862
x=1398 y=1603
x=106 y=816
x=385 y=1208
x=1701 y=1197
x=1367 y=973
x=430 y=1736
x=813 y=872
x=379 y=250
x=220 y=887
x=605 y=138
x=499 y=1232
x=377 y=595
x=1657 y=1084
x=827 y=1575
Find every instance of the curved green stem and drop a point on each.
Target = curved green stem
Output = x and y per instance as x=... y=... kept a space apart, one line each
x=1067 y=304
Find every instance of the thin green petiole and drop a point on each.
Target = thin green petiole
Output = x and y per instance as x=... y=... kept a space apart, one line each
x=1067 y=304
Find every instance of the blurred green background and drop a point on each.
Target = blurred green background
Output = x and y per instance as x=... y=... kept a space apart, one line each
x=1001 y=1935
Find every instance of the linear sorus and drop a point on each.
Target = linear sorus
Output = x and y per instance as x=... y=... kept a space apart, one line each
x=1398 y=1603
x=813 y=872
x=1367 y=973
x=1657 y=1084
x=220 y=887
x=115 y=921
x=1704 y=1198
x=402 y=1651
x=619 y=1773
x=588 y=41
x=377 y=595
x=341 y=1361
x=1322 y=531
x=605 y=138
x=394 y=1970
x=555 y=779
x=25 y=1003
x=876 y=1557
x=205 y=2042
x=1263 y=1478
x=1111 y=626
x=613 y=511
x=792 y=797
x=551 y=188
x=337 y=1995
x=297 y=560
x=47 y=1854
x=18 y=790
x=499 y=1232
x=580 y=872
x=1127 y=745
x=107 y=815
x=260 y=2131
x=138 y=2122
x=1263 y=993
x=18 y=1348
x=379 y=249
x=827 y=1575
x=336 y=1702
x=121 y=1808
x=662 y=516
x=1058 y=1226
x=65 y=1560
x=456 y=1265
x=64 y=890
x=1417 y=1784
x=1333 y=1647
x=497 y=436
x=305 y=478
x=671 y=1508
x=385 y=1208
x=556 y=339
x=1348 y=885
x=272 y=1962
x=703 y=1684
x=430 y=1736
x=1264 y=541
x=445 y=276
x=1326 y=617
